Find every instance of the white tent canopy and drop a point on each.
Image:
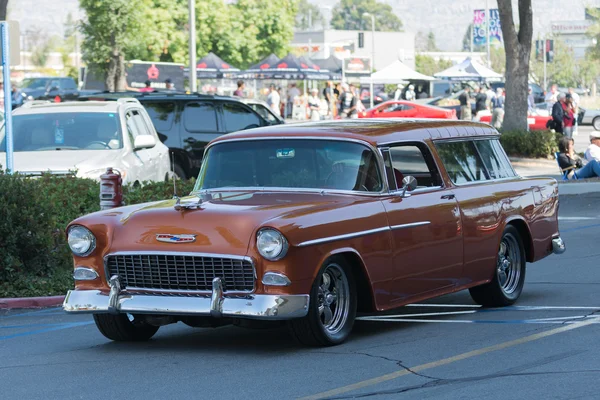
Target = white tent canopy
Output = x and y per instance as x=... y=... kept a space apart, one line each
x=396 y=72
x=469 y=70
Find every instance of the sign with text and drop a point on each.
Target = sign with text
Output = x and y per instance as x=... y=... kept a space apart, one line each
x=571 y=27
x=356 y=66
x=479 y=24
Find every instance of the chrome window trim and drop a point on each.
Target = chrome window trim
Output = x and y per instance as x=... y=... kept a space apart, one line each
x=177 y=253
x=410 y=225
x=427 y=189
x=344 y=236
x=374 y=149
x=275 y=189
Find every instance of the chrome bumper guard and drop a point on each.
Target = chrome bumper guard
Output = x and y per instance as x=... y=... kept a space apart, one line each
x=254 y=306
x=558 y=246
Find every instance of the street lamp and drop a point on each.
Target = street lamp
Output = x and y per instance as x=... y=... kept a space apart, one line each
x=372 y=52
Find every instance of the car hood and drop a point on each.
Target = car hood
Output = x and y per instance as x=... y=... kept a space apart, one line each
x=225 y=223
x=32 y=92
x=62 y=161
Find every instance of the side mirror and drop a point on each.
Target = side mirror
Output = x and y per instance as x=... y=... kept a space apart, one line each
x=409 y=183
x=144 y=142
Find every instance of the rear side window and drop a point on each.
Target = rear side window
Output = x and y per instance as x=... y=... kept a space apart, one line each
x=200 y=117
x=238 y=118
x=412 y=160
x=494 y=159
x=161 y=114
x=462 y=162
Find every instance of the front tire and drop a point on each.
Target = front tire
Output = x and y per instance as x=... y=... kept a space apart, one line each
x=124 y=327
x=332 y=307
x=596 y=123
x=509 y=275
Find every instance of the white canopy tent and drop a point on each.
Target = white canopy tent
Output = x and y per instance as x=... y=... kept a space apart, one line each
x=469 y=70
x=396 y=72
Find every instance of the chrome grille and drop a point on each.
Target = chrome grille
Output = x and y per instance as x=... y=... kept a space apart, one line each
x=188 y=272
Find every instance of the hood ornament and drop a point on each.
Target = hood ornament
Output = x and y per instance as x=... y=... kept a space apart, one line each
x=170 y=238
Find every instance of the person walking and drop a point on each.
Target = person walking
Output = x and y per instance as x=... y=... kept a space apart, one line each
x=558 y=114
x=568 y=117
x=498 y=109
x=314 y=104
x=239 y=92
x=465 y=104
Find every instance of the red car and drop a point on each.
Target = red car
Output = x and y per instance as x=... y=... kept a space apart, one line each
x=536 y=122
x=407 y=109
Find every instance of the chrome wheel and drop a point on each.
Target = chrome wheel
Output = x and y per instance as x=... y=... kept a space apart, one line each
x=333 y=299
x=509 y=264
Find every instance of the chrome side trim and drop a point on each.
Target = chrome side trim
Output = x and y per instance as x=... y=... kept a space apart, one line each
x=266 y=307
x=341 y=237
x=411 y=225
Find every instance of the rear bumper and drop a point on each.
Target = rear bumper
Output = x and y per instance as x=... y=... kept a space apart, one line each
x=558 y=245
x=252 y=306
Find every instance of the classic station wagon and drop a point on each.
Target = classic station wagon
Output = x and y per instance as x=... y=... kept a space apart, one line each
x=312 y=223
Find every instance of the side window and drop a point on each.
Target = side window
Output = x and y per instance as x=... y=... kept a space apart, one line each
x=162 y=114
x=462 y=162
x=200 y=117
x=238 y=118
x=264 y=112
x=132 y=130
x=68 y=84
x=494 y=159
x=414 y=160
x=140 y=123
x=54 y=84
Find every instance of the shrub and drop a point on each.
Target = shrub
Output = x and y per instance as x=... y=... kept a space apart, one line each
x=534 y=144
x=34 y=255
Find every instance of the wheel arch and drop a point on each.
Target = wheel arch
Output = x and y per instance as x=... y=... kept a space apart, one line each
x=364 y=290
x=521 y=226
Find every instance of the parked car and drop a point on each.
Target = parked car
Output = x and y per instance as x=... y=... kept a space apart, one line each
x=263 y=109
x=87 y=138
x=407 y=109
x=539 y=95
x=310 y=223
x=590 y=117
x=535 y=122
x=49 y=88
x=450 y=102
x=187 y=122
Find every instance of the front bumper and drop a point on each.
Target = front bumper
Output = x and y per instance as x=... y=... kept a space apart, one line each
x=253 y=306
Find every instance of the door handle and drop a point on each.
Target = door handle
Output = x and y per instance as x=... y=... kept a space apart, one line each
x=448 y=197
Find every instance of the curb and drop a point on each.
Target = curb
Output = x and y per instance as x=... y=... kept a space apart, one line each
x=31 y=302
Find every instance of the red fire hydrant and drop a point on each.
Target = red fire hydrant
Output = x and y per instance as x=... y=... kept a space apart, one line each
x=111 y=189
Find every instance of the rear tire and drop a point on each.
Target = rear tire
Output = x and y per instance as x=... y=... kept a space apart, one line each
x=121 y=328
x=332 y=307
x=509 y=274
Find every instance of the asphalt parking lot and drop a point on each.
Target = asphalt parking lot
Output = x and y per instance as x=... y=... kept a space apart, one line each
x=546 y=346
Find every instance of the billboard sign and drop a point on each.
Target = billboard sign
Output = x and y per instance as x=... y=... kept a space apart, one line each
x=479 y=27
x=357 y=66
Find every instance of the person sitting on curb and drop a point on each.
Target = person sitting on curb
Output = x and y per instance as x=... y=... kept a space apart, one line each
x=572 y=165
x=593 y=151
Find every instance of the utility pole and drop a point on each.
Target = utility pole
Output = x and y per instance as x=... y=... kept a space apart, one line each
x=487 y=33
x=372 y=52
x=544 y=49
x=192 y=23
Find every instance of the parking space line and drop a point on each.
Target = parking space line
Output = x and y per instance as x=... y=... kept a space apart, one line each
x=449 y=360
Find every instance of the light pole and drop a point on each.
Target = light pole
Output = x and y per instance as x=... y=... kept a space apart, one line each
x=192 y=23
x=372 y=53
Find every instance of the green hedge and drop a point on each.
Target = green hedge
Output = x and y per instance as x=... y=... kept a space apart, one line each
x=534 y=144
x=34 y=257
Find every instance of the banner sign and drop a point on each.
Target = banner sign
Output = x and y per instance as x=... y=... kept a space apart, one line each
x=479 y=27
x=138 y=72
x=356 y=66
x=544 y=47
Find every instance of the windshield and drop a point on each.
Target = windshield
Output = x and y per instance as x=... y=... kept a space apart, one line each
x=290 y=163
x=68 y=131
x=35 y=83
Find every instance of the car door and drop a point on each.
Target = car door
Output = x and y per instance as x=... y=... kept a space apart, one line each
x=200 y=126
x=425 y=225
x=141 y=161
x=238 y=117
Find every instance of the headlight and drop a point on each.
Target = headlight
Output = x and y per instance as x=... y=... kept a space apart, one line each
x=271 y=244
x=81 y=241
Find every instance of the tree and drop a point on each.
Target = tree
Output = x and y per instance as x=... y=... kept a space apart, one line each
x=428 y=65
x=420 y=41
x=309 y=16
x=112 y=30
x=517 y=45
x=3 y=10
x=40 y=46
x=431 y=46
x=168 y=38
x=468 y=39
x=348 y=15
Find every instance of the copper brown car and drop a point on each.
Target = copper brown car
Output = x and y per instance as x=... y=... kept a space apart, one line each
x=310 y=224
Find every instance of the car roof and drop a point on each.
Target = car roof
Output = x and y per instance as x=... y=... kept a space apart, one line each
x=67 y=106
x=144 y=96
x=370 y=130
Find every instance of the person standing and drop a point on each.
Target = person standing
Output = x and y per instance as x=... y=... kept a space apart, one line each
x=292 y=98
x=568 y=117
x=530 y=101
x=465 y=104
x=169 y=85
x=593 y=151
x=480 y=102
x=558 y=114
x=274 y=100
x=329 y=98
x=398 y=92
x=410 y=94
x=239 y=92
x=314 y=104
x=347 y=101
x=147 y=88
x=576 y=101
x=552 y=97
x=498 y=109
